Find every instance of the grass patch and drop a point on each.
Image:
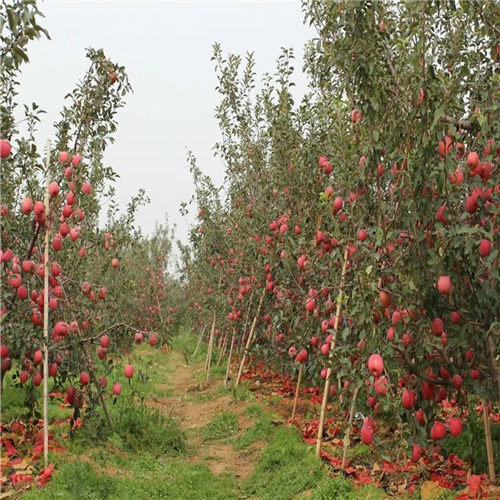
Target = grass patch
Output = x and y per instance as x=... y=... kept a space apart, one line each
x=136 y=428
x=171 y=479
x=218 y=371
x=222 y=426
x=253 y=410
x=286 y=469
x=341 y=488
x=262 y=430
x=242 y=393
x=353 y=452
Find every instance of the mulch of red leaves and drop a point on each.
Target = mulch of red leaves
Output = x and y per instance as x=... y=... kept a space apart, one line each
x=396 y=476
x=22 y=455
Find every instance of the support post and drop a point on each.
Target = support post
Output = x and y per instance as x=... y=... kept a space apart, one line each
x=228 y=369
x=199 y=340
x=347 y=437
x=208 y=361
x=250 y=338
x=297 y=390
x=46 y=313
x=326 y=392
x=489 y=446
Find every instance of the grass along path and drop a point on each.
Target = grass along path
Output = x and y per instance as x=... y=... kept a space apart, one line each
x=190 y=440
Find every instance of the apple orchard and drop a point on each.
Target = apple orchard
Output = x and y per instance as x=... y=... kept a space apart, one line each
x=354 y=248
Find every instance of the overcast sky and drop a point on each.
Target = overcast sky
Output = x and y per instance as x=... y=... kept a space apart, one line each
x=166 y=49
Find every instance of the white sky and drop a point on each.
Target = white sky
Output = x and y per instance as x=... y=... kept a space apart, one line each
x=166 y=49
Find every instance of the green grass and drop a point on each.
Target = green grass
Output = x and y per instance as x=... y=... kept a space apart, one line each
x=253 y=410
x=340 y=488
x=286 y=468
x=353 y=452
x=242 y=393
x=171 y=479
x=262 y=430
x=222 y=426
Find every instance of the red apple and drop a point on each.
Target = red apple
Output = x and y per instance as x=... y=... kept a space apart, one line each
x=376 y=365
x=53 y=189
x=484 y=248
x=84 y=378
x=5 y=148
x=27 y=206
x=444 y=285
x=455 y=425
x=438 y=431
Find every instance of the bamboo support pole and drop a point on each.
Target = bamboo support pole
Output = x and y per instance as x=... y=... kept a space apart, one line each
x=326 y=392
x=228 y=369
x=223 y=349
x=247 y=317
x=250 y=338
x=489 y=446
x=297 y=391
x=347 y=437
x=200 y=338
x=46 y=313
x=208 y=361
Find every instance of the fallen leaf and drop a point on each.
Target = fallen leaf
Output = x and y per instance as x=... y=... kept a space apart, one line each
x=431 y=489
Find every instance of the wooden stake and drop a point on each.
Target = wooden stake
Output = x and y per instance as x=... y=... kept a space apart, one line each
x=326 y=392
x=489 y=446
x=228 y=369
x=250 y=338
x=209 y=351
x=347 y=437
x=223 y=349
x=297 y=390
x=247 y=317
x=200 y=338
x=46 y=314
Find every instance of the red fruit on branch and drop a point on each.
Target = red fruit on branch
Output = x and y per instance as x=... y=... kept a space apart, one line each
x=376 y=365
x=75 y=160
x=128 y=371
x=53 y=189
x=409 y=399
x=438 y=431
x=473 y=160
x=444 y=285
x=84 y=378
x=5 y=148
x=27 y=206
x=86 y=188
x=484 y=248
x=455 y=425
x=416 y=453
x=437 y=327
x=420 y=416
x=385 y=298
x=366 y=435
x=117 y=389
x=39 y=208
x=37 y=357
x=63 y=157
x=457 y=382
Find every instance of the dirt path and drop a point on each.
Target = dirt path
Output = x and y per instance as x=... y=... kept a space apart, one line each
x=197 y=403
